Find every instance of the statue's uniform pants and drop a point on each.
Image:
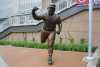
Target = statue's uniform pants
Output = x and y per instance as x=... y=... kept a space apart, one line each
x=50 y=37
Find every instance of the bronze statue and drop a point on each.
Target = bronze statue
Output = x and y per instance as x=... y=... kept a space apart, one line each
x=49 y=29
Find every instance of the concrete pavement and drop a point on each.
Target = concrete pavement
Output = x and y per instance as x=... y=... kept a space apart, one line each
x=29 y=57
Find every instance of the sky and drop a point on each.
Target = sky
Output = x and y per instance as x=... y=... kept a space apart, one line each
x=9 y=7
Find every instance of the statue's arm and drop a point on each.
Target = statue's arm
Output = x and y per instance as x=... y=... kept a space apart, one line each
x=59 y=25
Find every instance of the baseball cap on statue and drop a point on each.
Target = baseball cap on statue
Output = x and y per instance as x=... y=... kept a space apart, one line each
x=52 y=5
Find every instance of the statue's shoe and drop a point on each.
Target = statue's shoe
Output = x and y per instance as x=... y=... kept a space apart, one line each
x=50 y=60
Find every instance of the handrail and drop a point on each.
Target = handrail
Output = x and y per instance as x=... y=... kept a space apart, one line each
x=64 y=4
x=4 y=25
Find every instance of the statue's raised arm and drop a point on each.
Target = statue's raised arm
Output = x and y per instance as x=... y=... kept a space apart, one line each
x=36 y=16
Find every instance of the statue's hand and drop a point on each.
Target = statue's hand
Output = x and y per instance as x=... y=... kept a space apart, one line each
x=35 y=8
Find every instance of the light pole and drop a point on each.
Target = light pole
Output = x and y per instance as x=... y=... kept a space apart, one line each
x=90 y=31
x=90 y=58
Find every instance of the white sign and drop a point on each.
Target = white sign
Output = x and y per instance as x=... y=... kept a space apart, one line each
x=82 y=2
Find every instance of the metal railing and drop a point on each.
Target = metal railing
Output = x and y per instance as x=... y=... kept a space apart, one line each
x=24 y=19
x=4 y=25
x=64 y=4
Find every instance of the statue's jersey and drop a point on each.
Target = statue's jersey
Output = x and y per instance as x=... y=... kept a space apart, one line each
x=50 y=22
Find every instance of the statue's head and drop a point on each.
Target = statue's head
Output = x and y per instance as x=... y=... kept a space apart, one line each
x=51 y=9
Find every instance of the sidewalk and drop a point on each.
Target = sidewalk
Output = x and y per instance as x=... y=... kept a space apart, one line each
x=29 y=57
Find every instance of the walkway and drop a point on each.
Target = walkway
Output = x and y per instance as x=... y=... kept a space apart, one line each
x=29 y=57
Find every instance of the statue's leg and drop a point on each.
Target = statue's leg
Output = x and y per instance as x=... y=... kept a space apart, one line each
x=44 y=36
x=51 y=40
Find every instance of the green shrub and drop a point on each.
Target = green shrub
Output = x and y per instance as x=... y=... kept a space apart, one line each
x=71 y=40
x=83 y=41
x=57 y=46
